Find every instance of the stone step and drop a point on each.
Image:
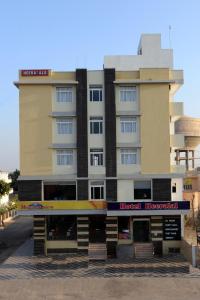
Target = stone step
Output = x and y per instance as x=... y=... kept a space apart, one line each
x=143 y=250
x=95 y=245
x=97 y=251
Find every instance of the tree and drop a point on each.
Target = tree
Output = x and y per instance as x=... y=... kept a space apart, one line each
x=4 y=188
x=13 y=176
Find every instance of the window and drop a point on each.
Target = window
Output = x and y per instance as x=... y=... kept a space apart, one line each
x=128 y=156
x=95 y=93
x=96 y=125
x=61 y=228
x=64 y=157
x=187 y=186
x=64 y=126
x=127 y=94
x=142 y=189
x=64 y=94
x=62 y=191
x=96 y=157
x=174 y=188
x=128 y=125
x=97 y=190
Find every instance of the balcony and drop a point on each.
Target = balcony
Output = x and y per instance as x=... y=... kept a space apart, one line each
x=177 y=76
x=177 y=140
x=176 y=109
x=178 y=169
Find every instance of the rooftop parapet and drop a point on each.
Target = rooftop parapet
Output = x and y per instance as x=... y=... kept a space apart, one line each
x=150 y=55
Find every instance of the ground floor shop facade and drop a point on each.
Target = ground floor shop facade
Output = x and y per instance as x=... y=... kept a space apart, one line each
x=137 y=227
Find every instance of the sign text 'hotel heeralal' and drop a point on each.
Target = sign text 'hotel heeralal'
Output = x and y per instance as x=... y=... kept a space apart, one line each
x=185 y=205
x=34 y=72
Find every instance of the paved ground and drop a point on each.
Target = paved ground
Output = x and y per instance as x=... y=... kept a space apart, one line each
x=14 y=234
x=101 y=288
x=23 y=276
x=23 y=265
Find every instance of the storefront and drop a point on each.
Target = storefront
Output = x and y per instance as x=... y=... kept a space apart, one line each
x=159 y=224
x=70 y=226
x=66 y=226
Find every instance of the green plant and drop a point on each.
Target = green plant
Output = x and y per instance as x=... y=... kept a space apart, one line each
x=4 y=188
x=14 y=176
x=3 y=209
x=12 y=204
x=198 y=219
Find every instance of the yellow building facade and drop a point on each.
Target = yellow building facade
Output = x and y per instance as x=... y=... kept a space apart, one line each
x=97 y=155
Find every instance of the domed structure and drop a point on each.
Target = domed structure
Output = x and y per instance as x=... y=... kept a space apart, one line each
x=190 y=127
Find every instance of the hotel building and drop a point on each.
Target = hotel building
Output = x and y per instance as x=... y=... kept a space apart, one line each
x=97 y=155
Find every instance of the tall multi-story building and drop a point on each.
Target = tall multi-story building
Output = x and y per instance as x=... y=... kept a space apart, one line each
x=97 y=154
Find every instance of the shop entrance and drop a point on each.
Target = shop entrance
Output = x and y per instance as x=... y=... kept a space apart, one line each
x=141 y=231
x=97 y=229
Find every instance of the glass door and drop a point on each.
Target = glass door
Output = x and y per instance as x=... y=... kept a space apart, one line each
x=141 y=231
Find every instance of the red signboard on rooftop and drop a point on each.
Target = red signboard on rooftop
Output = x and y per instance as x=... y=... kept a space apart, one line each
x=34 y=72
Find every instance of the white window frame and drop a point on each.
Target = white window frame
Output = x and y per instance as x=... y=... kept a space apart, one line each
x=64 y=157
x=128 y=125
x=98 y=89
x=94 y=154
x=64 y=94
x=99 y=120
x=64 y=126
x=96 y=184
x=128 y=156
x=127 y=93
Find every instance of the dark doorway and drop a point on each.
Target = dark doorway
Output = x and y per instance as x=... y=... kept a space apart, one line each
x=141 y=231
x=158 y=251
x=97 y=229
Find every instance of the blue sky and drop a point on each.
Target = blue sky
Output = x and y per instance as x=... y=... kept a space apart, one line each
x=64 y=35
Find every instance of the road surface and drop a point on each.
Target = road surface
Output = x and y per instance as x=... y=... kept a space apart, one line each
x=13 y=235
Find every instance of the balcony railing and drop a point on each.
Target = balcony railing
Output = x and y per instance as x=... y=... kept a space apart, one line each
x=176 y=109
x=178 y=169
x=177 y=140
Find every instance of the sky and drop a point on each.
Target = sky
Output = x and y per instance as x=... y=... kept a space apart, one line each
x=65 y=35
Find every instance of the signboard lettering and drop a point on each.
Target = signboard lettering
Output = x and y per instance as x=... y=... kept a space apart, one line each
x=61 y=205
x=34 y=73
x=172 y=228
x=170 y=205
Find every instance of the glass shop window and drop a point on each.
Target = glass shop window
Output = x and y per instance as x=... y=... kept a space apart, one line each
x=61 y=228
x=124 y=228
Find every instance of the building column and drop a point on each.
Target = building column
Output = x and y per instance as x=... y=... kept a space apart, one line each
x=82 y=124
x=192 y=159
x=111 y=236
x=157 y=233
x=39 y=234
x=177 y=157
x=110 y=131
x=187 y=160
x=83 y=233
x=82 y=189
